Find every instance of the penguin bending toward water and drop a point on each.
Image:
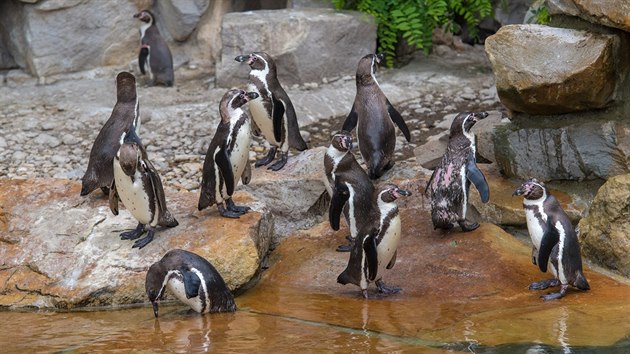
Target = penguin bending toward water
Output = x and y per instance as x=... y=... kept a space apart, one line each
x=450 y=182
x=155 y=56
x=138 y=185
x=192 y=279
x=272 y=111
x=375 y=117
x=554 y=240
x=100 y=173
x=227 y=159
x=376 y=245
x=349 y=187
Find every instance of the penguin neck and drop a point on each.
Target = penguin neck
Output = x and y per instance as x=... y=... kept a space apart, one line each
x=335 y=155
x=261 y=75
x=386 y=209
x=366 y=81
x=538 y=201
x=144 y=27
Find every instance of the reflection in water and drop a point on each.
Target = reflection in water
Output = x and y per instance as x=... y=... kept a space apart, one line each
x=561 y=329
x=469 y=335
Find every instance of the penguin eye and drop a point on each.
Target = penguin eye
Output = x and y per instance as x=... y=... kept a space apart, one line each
x=254 y=58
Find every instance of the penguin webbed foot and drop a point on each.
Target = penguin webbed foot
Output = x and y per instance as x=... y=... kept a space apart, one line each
x=280 y=163
x=544 y=284
x=364 y=292
x=144 y=241
x=235 y=208
x=348 y=247
x=227 y=213
x=468 y=226
x=267 y=159
x=556 y=296
x=133 y=234
x=386 y=289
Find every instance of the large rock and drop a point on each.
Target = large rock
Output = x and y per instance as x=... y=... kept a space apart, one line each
x=61 y=250
x=546 y=70
x=604 y=232
x=306 y=44
x=583 y=150
x=181 y=17
x=610 y=13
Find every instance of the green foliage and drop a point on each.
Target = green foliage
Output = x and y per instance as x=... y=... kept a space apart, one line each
x=415 y=20
x=541 y=16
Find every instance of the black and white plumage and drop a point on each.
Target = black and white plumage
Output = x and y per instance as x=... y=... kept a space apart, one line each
x=100 y=173
x=155 y=56
x=375 y=117
x=192 y=279
x=272 y=111
x=450 y=182
x=555 y=243
x=138 y=185
x=349 y=187
x=227 y=159
x=376 y=245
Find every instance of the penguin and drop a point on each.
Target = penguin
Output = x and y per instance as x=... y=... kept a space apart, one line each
x=192 y=279
x=449 y=184
x=100 y=173
x=554 y=240
x=138 y=185
x=376 y=246
x=228 y=155
x=349 y=187
x=273 y=112
x=155 y=56
x=375 y=117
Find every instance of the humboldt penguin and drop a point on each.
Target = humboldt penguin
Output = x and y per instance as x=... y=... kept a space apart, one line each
x=155 y=56
x=228 y=155
x=100 y=173
x=554 y=240
x=272 y=111
x=192 y=279
x=349 y=187
x=450 y=182
x=375 y=117
x=376 y=245
x=138 y=185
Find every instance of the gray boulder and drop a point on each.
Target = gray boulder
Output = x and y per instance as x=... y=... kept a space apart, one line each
x=547 y=70
x=610 y=13
x=181 y=17
x=306 y=44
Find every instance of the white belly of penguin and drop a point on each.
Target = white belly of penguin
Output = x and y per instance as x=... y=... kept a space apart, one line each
x=263 y=120
x=133 y=196
x=533 y=225
x=388 y=245
x=239 y=157
x=176 y=287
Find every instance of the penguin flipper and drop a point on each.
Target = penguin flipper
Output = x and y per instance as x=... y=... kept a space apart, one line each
x=142 y=59
x=549 y=240
x=113 y=198
x=165 y=217
x=341 y=194
x=428 y=189
x=277 y=112
x=225 y=167
x=351 y=120
x=391 y=263
x=293 y=130
x=191 y=283
x=398 y=120
x=478 y=179
x=371 y=255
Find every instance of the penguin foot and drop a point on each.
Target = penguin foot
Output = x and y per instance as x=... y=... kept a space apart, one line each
x=280 y=163
x=344 y=248
x=556 y=296
x=226 y=213
x=267 y=159
x=466 y=226
x=144 y=241
x=134 y=234
x=385 y=289
x=235 y=208
x=542 y=285
x=364 y=292
x=105 y=190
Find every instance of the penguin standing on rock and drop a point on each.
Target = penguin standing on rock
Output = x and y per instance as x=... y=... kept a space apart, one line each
x=375 y=117
x=192 y=279
x=349 y=186
x=155 y=56
x=273 y=111
x=137 y=184
x=227 y=159
x=376 y=246
x=100 y=173
x=554 y=240
x=450 y=182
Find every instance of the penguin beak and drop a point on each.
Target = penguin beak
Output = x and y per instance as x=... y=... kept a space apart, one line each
x=402 y=192
x=243 y=58
x=252 y=95
x=348 y=143
x=481 y=115
x=137 y=15
x=379 y=58
x=155 y=308
x=519 y=191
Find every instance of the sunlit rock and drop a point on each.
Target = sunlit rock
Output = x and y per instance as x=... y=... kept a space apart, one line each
x=610 y=13
x=62 y=250
x=547 y=70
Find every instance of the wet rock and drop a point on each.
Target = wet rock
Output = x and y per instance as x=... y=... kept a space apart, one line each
x=612 y=13
x=291 y=36
x=47 y=263
x=580 y=70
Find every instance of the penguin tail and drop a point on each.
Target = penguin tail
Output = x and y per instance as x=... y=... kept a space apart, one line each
x=344 y=278
x=88 y=184
x=223 y=301
x=580 y=282
x=167 y=219
x=204 y=201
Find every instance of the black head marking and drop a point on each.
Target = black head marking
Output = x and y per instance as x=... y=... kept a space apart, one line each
x=465 y=121
x=258 y=61
x=154 y=284
x=342 y=141
x=125 y=87
x=366 y=69
x=234 y=99
x=531 y=189
x=145 y=16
